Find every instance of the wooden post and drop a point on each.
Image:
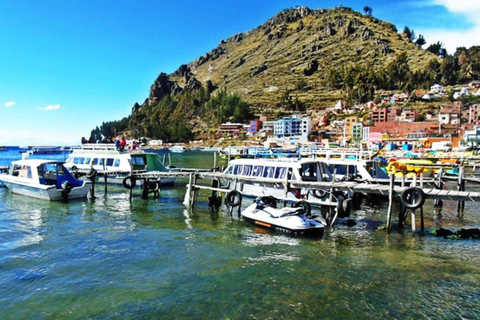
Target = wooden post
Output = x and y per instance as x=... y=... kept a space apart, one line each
x=145 y=188
x=186 y=201
x=390 y=201
x=412 y=213
x=401 y=216
x=438 y=202
x=193 y=190
x=422 y=222
x=461 y=187
x=105 y=177
x=92 y=189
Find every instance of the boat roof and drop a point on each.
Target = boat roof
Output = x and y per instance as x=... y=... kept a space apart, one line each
x=34 y=162
x=266 y=161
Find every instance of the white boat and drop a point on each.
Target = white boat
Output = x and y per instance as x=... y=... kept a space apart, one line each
x=44 y=179
x=295 y=221
x=118 y=165
x=178 y=149
x=347 y=169
x=269 y=177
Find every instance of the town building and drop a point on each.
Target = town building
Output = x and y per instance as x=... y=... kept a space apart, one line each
x=254 y=127
x=231 y=129
x=293 y=128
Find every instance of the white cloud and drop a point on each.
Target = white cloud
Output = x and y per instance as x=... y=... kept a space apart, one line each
x=50 y=107
x=9 y=104
x=452 y=39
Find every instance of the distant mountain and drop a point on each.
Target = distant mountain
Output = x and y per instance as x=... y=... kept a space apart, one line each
x=299 y=56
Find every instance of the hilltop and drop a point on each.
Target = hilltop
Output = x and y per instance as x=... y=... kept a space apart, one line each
x=300 y=57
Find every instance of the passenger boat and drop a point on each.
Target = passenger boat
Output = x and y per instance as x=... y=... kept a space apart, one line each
x=269 y=177
x=118 y=165
x=44 y=179
x=295 y=221
x=355 y=169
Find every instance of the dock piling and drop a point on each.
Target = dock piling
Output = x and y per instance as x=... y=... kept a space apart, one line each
x=390 y=202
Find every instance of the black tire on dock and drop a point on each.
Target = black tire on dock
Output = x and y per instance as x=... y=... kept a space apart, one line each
x=233 y=198
x=319 y=193
x=413 y=198
x=129 y=182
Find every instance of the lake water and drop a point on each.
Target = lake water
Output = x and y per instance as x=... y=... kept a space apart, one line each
x=112 y=258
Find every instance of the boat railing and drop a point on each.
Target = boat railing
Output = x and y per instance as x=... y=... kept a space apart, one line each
x=99 y=146
x=341 y=154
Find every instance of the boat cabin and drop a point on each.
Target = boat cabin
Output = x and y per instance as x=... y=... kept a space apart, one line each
x=43 y=172
x=284 y=169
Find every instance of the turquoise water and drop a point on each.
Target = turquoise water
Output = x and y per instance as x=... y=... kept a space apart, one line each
x=111 y=258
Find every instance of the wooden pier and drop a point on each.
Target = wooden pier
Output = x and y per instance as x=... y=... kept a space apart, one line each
x=411 y=193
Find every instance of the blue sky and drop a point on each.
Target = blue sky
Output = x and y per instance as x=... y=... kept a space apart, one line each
x=66 y=66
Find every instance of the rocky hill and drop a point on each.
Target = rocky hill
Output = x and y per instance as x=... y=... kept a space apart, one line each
x=292 y=54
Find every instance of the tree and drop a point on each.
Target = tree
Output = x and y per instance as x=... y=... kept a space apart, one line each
x=437 y=49
x=367 y=10
x=410 y=34
x=420 y=41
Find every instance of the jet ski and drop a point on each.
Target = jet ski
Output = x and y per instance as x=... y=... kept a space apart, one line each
x=264 y=213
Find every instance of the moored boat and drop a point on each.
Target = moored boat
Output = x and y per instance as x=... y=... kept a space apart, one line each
x=118 y=165
x=269 y=177
x=178 y=149
x=295 y=221
x=43 y=179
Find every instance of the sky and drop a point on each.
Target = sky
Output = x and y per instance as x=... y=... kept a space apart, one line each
x=67 y=66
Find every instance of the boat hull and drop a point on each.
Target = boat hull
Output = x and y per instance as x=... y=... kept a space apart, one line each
x=49 y=193
x=296 y=225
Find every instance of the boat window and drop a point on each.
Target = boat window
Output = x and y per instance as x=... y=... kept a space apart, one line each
x=268 y=172
x=78 y=160
x=25 y=172
x=247 y=170
x=117 y=163
x=101 y=162
x=309 y=172
x=238 y=169
x=95 y=161
x=257 y=171
x=280 y=173
x=138 y=161
x=229 y=170
x=109 y=162
x=87 y=160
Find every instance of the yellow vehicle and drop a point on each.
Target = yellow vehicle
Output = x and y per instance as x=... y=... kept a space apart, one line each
x=411 y=168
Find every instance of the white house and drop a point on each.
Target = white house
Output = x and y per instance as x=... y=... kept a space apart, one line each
x=436 y=88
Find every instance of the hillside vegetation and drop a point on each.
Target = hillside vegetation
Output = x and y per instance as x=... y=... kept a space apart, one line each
x=301 y=59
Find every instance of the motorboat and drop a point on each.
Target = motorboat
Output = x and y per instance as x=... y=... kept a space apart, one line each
x=264 y=213
x=285 y=179
x=349 y=169
x=118 y=165
x=178 y=149
x=43 y=179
